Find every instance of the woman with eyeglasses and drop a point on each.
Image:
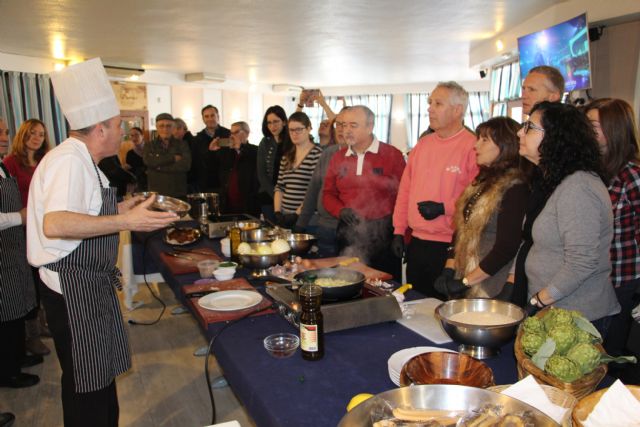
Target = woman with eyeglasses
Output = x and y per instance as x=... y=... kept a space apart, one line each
x=296 y=168
x=614 y=123
x=270 y=150
x=488 y=218
x=564 y=259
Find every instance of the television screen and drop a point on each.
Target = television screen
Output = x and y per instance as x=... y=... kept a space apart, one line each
x=564 y=46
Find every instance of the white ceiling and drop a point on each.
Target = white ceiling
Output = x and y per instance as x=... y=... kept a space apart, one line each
x=310 y=43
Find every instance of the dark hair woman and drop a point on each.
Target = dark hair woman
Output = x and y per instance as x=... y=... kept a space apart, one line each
x=296 y=168
x=567 y=233
x=270 y=150
x=614 y=123
x=488 y=218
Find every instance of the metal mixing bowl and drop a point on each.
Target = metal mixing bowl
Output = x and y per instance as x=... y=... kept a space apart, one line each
x=171 y=204
x=479 y=341
x=260 y=263
x=439 y=397
x=257 y=235
x=300 y=243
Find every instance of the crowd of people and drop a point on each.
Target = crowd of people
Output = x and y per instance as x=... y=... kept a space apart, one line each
x=542 y=213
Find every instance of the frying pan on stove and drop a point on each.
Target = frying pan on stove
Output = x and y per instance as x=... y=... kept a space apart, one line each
x=335 y=293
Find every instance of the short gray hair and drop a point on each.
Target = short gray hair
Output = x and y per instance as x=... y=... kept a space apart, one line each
x=243 y=125
x=553 y=78
x=371 y=117
x=459 y=96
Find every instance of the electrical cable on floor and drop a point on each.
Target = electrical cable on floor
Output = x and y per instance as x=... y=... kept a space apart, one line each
x=210 y=349
x=144 y=275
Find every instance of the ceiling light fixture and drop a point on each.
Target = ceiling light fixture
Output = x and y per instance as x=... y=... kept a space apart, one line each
x=205 y=77
x=123 y=72
x=286 y=88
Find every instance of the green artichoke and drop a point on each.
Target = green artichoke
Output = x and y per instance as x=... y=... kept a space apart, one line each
x=564 y=335
x=555 y=317
x=531 y=342
x=585 y=355
x=583 y=336
x=562 y=368
x=533 y=324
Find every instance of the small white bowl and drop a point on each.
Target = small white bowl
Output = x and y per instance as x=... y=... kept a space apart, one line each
x=225 y=274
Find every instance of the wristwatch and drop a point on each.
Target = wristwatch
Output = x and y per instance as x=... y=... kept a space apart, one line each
x=465 y=282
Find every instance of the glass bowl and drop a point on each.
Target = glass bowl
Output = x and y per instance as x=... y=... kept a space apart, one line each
x=281 y=345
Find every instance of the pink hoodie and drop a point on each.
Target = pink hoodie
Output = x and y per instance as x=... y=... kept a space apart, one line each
x=438 y=170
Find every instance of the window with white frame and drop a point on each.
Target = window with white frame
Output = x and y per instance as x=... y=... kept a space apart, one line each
x=505 y=87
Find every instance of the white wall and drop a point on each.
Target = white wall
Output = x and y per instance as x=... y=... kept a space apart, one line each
x=158 y=101
x=186 y=102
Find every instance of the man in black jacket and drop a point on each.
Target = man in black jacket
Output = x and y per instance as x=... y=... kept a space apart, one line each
x=237 y=173
x=203 y=176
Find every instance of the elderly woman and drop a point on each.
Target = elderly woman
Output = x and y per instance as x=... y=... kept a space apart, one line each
x=296 y=168
x=568 y=225
x=488 y=218
x=614 y=123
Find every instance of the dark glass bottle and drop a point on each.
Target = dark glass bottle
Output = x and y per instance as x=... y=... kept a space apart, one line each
x=311 y=325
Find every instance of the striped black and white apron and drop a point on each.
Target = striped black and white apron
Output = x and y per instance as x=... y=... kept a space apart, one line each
x=88 y=277
x=17 y=291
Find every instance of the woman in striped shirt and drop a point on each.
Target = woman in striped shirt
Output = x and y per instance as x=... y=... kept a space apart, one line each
x=296 y=169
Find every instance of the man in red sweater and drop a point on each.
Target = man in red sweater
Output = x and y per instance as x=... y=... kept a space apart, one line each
x=360 y=190
x=441 y=165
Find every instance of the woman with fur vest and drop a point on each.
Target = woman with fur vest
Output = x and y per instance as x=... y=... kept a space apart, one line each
x=488 y=218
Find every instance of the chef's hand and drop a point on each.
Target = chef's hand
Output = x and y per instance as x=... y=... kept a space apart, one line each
x=456 y=289
x=506 y=293
x=141 y=218
x=397 y=245
x=440 y=283
x=125 y=205
x=23 y=215
x=430 y=210
x=348 y=216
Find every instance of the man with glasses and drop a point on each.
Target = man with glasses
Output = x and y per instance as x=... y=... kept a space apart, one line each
x=167 y=159
x=204 y=175
x=543 y=83
x=238 y=173
x=440 y=167
x=360 y=189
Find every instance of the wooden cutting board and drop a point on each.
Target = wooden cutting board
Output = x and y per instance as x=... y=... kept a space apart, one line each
x=369 y=273
x=206 y=317
x=186 y=266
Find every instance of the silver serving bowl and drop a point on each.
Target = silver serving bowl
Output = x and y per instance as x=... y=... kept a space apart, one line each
x=479 y=341
x=300 y=243
x=171 y=204
x=212 y=200
x=438 y=397
x=260 y=263
x=256 y=235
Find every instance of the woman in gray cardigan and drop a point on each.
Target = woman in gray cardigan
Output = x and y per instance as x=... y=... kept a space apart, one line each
x=568 y=225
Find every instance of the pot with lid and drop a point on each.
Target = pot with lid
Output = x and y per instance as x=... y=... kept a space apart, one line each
x=210 y=200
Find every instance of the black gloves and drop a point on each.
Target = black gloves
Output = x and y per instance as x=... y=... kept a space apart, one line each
x=348 y=216
x=430 y=210
x=531 y=309
x=397 y=245
x=447 y=285
x=506 y=293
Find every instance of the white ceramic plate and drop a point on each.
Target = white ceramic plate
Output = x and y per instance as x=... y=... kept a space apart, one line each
x=230 y=300
x=399 y=358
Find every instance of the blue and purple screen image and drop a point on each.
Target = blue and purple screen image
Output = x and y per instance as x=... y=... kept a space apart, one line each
x=564 y=46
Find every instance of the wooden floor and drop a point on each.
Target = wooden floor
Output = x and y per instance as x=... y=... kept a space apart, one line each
x=166 y=386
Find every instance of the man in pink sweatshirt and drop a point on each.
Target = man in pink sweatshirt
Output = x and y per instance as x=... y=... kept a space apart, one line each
x=440 y=166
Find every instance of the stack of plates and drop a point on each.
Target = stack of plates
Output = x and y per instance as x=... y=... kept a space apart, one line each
x=399 y=358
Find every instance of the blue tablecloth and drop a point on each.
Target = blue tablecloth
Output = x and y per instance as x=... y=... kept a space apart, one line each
x=295 y=392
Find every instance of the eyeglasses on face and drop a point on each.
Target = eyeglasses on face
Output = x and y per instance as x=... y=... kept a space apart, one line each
x=297 y=130
x=530 y=125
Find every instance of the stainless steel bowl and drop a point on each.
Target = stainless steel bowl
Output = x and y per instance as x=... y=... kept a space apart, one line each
x=257 y=235
x=300 y=243
x=171 y=204
x=212 y=200
x=438 y=397
x=479 y=341
x=260 y=263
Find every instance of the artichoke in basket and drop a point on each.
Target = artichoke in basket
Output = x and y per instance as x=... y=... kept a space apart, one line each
x=564 y=335
x=533 y=324
x=584 y=337
x=562 y=368
x=531 y=342
x=556 y=317
x=588 y=357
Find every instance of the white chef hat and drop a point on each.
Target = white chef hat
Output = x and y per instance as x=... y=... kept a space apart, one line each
x=84 y=93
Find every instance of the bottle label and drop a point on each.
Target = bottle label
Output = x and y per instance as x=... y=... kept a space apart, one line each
x=308 y=337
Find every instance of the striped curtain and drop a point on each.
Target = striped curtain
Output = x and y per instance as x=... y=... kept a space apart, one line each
x=30 y=96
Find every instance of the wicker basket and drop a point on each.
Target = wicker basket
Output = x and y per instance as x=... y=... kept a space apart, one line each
x=578 y=388
x=584 y=407
x=556 y=396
